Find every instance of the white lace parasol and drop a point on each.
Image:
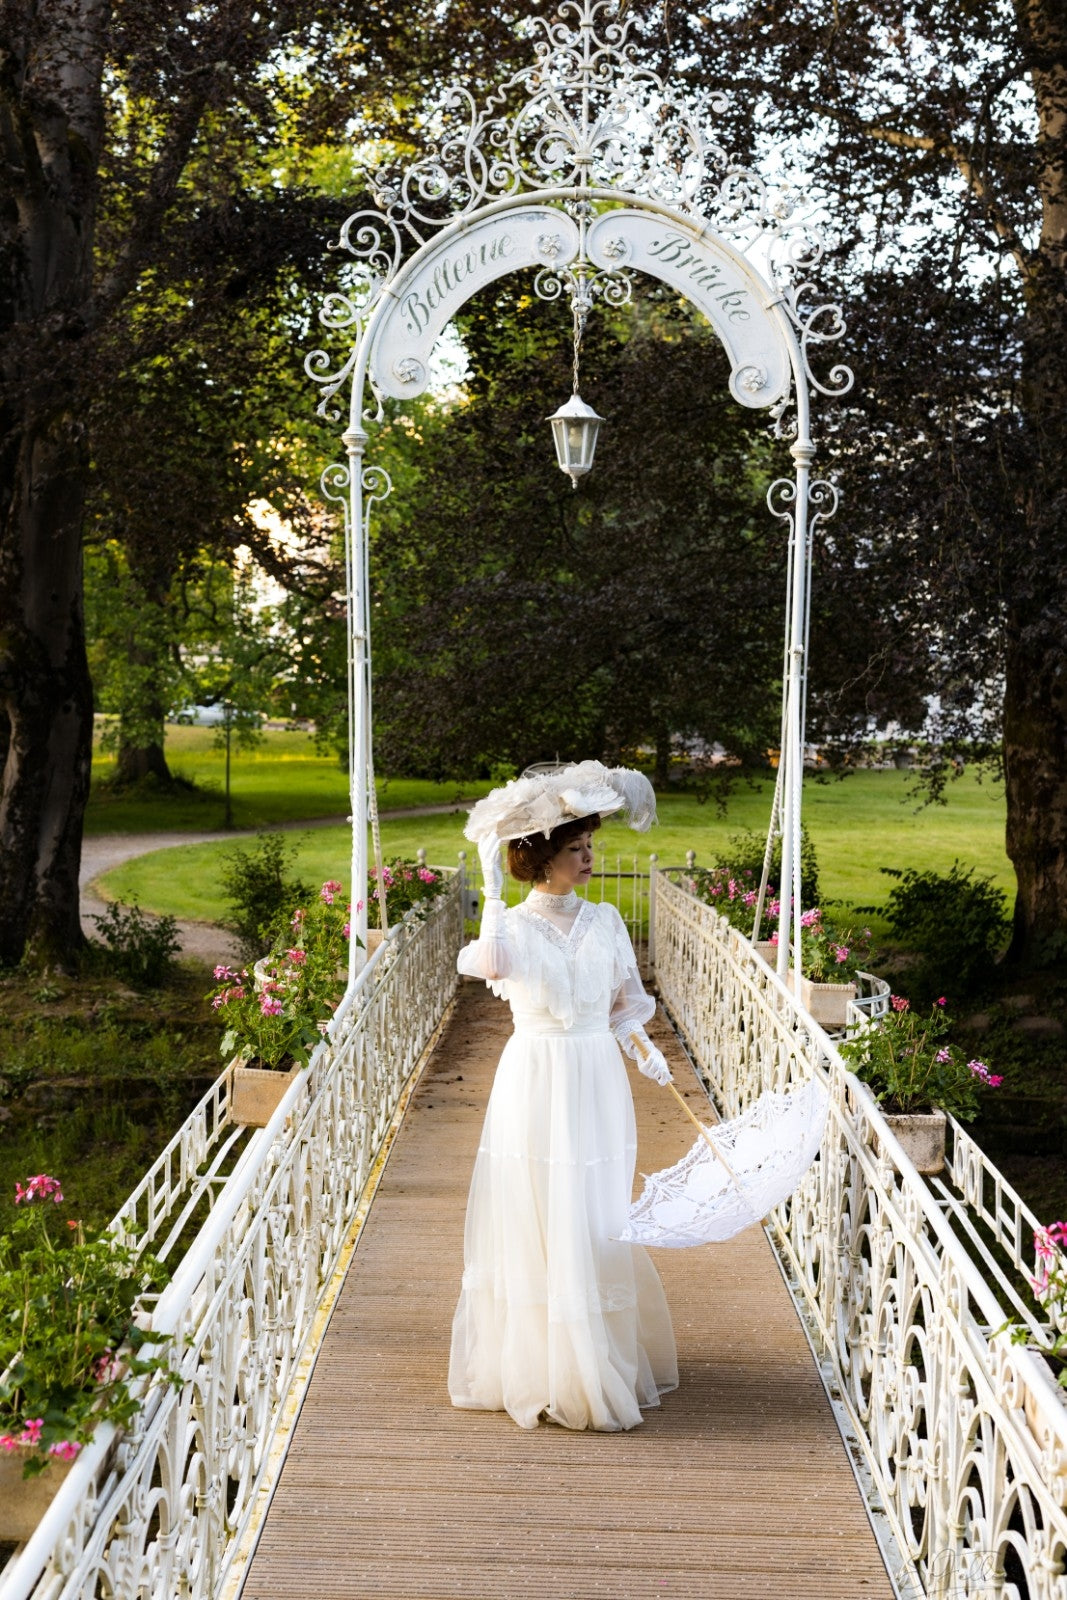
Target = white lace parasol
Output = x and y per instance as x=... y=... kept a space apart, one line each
x=735 y=1173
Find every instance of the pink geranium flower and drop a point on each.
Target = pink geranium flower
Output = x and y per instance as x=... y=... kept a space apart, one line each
x=104 y=1366
x=270 y=1006
x=42 y=1187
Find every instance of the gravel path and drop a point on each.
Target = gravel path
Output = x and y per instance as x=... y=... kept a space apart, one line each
x=102 y=852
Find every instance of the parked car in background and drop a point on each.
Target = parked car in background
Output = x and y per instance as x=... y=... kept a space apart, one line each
x=199 y=716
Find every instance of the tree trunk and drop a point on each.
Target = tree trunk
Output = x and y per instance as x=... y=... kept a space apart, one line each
x=662 y=771
x=1035 y=705
x=141 y=752
x=1035 y=770
x=51 y=125
x=47 y=697
x=136 y=762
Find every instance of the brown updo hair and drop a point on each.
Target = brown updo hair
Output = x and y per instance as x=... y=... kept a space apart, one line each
x=528 y=857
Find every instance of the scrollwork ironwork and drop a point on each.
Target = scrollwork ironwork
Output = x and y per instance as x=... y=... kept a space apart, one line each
x=161 y=1511
x=335 y=482
x=586 y=116
x=964 y=1434
x=781 y=501
x=377 y=484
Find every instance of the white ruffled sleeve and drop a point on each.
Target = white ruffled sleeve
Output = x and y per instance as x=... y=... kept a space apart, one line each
x=631 y=1007
x=491 y=956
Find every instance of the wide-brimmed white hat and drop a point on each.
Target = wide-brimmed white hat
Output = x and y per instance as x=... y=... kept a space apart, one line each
x=542 y=799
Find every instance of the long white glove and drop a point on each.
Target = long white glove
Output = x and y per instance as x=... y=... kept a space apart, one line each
x=636 y=1043
x=492 y=869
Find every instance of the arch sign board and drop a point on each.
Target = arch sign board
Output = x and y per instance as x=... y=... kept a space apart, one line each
x=717 y=280
x=424 y=297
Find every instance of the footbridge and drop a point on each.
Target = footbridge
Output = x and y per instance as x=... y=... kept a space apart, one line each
x=852 y=1420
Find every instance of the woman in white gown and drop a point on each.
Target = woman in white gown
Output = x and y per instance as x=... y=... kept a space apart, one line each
x=556 y=1318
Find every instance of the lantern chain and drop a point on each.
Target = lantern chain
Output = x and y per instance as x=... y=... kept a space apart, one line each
x=581 y=316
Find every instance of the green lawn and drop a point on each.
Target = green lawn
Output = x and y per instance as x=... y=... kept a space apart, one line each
x=858 y=825
x=285 y=779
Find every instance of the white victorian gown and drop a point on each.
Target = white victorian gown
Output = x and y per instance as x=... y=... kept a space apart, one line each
x=557 y=1319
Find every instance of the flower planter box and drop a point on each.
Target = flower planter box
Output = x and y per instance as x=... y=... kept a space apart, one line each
x=769 y=951
x=828 y=1003
x=922 y=1135
x=255 y=1093
x=24 y=1501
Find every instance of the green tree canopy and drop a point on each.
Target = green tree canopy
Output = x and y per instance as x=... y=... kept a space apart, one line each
x=515 y=618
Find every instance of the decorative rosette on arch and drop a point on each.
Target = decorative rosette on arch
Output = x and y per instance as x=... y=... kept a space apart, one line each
x=540 y=801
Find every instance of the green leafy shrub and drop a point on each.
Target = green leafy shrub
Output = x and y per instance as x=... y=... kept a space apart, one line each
x=1050 y=1290
x=731 y=886
x=906 y=1061
x=831 y=952
x=743 y=858
x=733 y=894
x=262 y=892
x=68 y=1335
x=279 y=1018
x=954 y=922
x=138 y=948
x=407 y=884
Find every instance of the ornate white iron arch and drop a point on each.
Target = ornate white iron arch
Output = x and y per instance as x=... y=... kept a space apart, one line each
x=585 y=167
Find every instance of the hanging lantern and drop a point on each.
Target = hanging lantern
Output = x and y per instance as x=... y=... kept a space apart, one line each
x=576 y=425
x=574 y=429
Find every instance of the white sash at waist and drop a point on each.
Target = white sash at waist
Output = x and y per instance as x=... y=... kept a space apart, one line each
x=539 y=1028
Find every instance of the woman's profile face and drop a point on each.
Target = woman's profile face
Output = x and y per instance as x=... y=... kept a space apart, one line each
x=572 y=866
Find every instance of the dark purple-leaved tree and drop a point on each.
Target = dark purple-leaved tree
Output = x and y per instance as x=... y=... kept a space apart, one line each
x=938 y=136
x=527 y=620
x=150 y=148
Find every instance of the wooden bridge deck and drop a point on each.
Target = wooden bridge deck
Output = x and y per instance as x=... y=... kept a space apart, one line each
x=739 y=1486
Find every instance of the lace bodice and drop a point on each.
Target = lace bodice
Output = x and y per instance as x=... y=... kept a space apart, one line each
x=556 y=978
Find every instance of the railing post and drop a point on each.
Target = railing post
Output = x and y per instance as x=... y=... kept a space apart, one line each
x=653 y=867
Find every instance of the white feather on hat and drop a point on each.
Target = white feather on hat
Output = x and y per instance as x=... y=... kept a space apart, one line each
x=541 y=801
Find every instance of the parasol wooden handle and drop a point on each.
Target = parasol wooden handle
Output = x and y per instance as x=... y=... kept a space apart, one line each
x=694 y=1119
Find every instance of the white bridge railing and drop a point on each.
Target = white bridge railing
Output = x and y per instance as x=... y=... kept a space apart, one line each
x=904 y=1289
x=162 y=1511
